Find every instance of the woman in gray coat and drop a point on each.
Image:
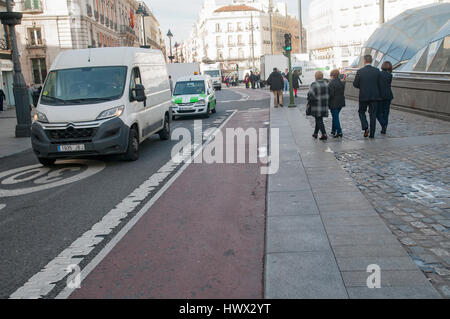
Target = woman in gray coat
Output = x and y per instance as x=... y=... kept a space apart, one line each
x=318 y=99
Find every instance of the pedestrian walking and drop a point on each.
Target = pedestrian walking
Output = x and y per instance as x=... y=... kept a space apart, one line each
x=247 y=81
x=336 y=90
x=367 y=80
x=2 y=98
x=258 y=80
x=318 y=99
x=171 y=84
x=253 y=79
x=275 y=82
x=286 y=81
x=296 y=81
x=386 y=95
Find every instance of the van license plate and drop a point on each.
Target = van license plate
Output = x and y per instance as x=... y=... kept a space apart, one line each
x=71 y=148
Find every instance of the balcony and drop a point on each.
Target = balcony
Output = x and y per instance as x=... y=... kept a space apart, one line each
x=219 y=45
x=231 y=44
x=241 y=44
x=40 y=44
x=124 y=29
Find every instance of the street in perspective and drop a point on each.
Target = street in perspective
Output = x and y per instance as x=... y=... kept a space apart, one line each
x=234 y=150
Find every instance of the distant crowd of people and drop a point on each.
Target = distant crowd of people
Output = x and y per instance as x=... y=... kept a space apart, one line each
x=375 y=95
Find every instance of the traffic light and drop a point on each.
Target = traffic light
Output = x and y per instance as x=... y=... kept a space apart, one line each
x=288 y=42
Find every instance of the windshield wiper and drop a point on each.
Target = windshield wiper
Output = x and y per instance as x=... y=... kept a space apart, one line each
x=54 y=98
x=92 y=99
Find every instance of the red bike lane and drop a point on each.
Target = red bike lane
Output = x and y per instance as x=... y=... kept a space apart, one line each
x=203 y=238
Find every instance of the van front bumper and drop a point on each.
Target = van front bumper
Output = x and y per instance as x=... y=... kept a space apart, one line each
x=194 y=110
x=110 y=137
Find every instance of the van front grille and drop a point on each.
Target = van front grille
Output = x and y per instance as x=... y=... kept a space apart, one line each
x=71 y=134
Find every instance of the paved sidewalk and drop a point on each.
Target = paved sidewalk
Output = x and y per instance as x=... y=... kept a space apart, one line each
x=322 y=232
x=9 y=144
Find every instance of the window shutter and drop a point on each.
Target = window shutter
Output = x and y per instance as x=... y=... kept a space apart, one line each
x=36 y=4
x=28 y=4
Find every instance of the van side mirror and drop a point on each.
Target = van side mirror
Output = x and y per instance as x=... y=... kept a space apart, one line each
x=138 y=93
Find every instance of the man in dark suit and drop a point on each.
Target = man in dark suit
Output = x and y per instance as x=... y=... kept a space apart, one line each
x=367 y=80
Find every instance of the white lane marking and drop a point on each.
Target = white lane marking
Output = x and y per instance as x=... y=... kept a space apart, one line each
x=54 y=178
x=44 y=281
x=2 y=206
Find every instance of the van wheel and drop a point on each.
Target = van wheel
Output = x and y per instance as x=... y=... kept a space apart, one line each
x=132 y=153
x=174 y=118
x=47 y=161
x=207 y=112
x=214 y=109
x=164 y=134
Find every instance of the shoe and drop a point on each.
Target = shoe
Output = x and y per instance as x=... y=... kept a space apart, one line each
x=276 y=106
x=296 y=95
x=323 y=137
x=333 y=133
x=371 y=137
x=383 y=130
x=281 y=105
x=315 y=136
x=338 y=135
x=366 y=133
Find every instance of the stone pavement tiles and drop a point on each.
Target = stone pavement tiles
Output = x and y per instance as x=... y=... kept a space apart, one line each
x=322 y=232
x=9 y=144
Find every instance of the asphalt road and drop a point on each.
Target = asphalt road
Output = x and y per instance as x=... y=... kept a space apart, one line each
x=37 y=226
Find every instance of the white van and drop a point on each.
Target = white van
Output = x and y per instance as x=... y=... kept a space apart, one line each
x=216 y=77
x=101 y=101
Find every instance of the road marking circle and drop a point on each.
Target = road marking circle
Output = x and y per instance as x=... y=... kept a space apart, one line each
x=46 y=178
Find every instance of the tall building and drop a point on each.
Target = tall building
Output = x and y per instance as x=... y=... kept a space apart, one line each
x=49 y=26
x=238 y=33
x=151 y=29
x=6 y=64
x=337 y=30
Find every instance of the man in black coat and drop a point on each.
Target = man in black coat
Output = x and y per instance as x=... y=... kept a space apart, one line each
x=276 y=83
x=367 y=80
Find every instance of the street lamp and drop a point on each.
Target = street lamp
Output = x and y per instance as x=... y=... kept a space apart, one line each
x=143 y=12
x=23 y=127
x=170 y=35
x=176 y=45
x=301 y=24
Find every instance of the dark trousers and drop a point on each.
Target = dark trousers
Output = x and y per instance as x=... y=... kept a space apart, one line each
x=384 y=108
x=336 y=128
x=373 y=106
x=1 y=104
x=319 y=126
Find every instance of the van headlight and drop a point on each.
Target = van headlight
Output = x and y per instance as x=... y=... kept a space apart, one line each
x=114 y=112
x=40 y=117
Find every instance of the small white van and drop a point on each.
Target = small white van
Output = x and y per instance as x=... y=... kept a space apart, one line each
x=101 y=101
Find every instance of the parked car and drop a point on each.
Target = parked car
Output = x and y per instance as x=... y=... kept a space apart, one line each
x=101 y=101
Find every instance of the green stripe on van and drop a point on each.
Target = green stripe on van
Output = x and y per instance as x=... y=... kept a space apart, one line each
x=178 y=101
x=194 y=99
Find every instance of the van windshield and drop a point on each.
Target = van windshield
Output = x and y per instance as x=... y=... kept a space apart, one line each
x=189 y=87
x=84 y=85
x=213 y=73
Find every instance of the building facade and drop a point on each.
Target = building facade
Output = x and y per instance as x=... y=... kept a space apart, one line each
x=50 y=26
x=238 y=34
x=338 y=29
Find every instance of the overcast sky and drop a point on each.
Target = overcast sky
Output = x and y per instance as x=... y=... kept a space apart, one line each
x=180 y=15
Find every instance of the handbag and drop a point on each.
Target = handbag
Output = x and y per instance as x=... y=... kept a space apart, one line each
x=308 y=110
